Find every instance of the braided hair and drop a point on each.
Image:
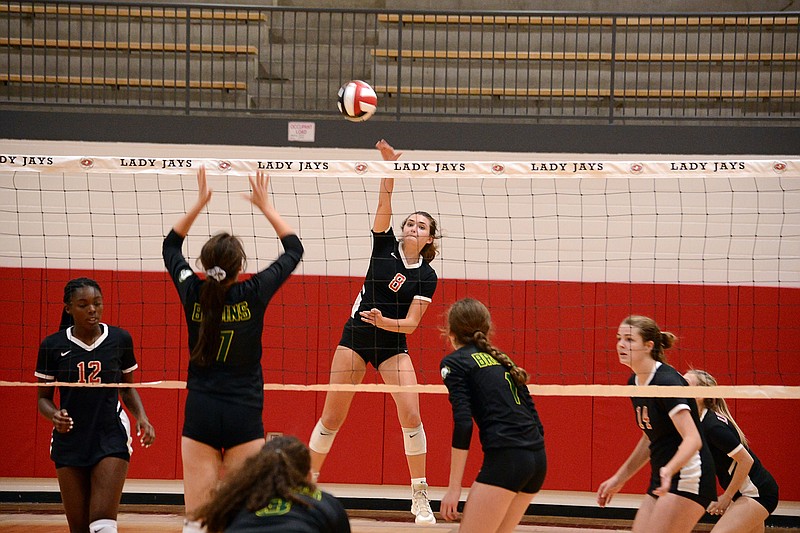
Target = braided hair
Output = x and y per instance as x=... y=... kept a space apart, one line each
x=70 y=289
x=469 y=322
x=649 y=330
x=225 y=252
x=279 y=470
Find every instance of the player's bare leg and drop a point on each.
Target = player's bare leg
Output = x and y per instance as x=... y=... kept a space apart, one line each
x=347 y=368
x=75 y=486
x=486 y=508
x=745 y=514
x=399 y=370
x=201 y=470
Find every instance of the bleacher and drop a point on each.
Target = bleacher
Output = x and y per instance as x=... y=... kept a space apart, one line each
x=123 y=56
x=291 y=60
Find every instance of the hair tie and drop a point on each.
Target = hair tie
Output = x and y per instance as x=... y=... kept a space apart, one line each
x=216 y=273
x=476 y=332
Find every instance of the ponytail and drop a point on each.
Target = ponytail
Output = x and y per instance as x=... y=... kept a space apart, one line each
x=222 y=258
x=649 y=330
x=470 y=322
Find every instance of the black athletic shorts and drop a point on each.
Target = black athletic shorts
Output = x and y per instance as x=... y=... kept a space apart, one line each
x=119 y=455
x=86 y=447
x=767 y=496
x=374 y=345
x=219 y=423
x=701 y=499
x=514 y=469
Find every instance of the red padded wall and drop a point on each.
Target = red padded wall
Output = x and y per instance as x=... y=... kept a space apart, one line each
x=561 y=332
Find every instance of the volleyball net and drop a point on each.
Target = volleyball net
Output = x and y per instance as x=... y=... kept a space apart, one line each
x=560 y=252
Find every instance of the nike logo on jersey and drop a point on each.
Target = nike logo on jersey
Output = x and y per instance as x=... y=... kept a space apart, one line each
x=65 y=353
x=394 y=255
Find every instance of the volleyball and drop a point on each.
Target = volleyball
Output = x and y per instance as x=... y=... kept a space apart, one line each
x=357 y=101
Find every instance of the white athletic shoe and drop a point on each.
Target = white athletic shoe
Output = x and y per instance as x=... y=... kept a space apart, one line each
x=421 y=505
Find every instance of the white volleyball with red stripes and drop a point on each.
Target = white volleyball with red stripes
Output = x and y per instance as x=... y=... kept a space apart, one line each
x=357 y=100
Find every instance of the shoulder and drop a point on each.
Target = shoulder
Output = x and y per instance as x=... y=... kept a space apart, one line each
x=428 y=273
x=455 y=362
x=384 y=239
x=331 y=500
x=713 y=419
x=115 y=332
x=55 y=338
x=667 y=375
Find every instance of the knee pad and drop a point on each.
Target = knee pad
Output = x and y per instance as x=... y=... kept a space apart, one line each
x=321 y=438
x=414 y=440
x=104 y=525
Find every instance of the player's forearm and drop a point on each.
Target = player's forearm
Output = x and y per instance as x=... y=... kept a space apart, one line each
x=688 y=447
x=184 y=224
x=47 y=408
x=458 y=462
x=744 y=462
x=636 y=460
x=398 y=325
x=132 y=400
x=281 y=227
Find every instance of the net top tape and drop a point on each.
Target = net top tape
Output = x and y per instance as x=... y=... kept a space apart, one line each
x=719 y=167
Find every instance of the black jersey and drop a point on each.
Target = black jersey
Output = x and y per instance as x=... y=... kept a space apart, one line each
x=653 y=417
x=724 y=441
x=391 y=284
x=480 y=387
x=99 y=425
x=236 y=374
x=324 y=514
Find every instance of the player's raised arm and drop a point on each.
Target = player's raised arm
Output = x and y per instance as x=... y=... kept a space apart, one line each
x=383 y=215
x=259 y=197
x=184 y=224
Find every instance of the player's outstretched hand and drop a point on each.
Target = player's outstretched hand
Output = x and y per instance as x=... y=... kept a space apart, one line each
x=203 y=190
x=259 y=195
x=387 y=151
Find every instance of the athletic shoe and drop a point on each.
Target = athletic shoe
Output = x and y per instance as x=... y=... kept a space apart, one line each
x=421 y=505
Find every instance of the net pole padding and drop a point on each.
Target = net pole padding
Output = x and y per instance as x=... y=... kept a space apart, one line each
x=745 y=392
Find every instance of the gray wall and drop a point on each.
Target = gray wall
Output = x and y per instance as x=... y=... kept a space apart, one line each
x=473 y=136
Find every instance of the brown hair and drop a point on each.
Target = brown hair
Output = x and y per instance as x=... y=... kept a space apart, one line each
x=225 y=251
x=469 y=321
x=649 y=330
x=430 y=250
x=718 y=405
x=279 y=470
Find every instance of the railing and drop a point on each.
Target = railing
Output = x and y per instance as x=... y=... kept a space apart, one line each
x=221 y=59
